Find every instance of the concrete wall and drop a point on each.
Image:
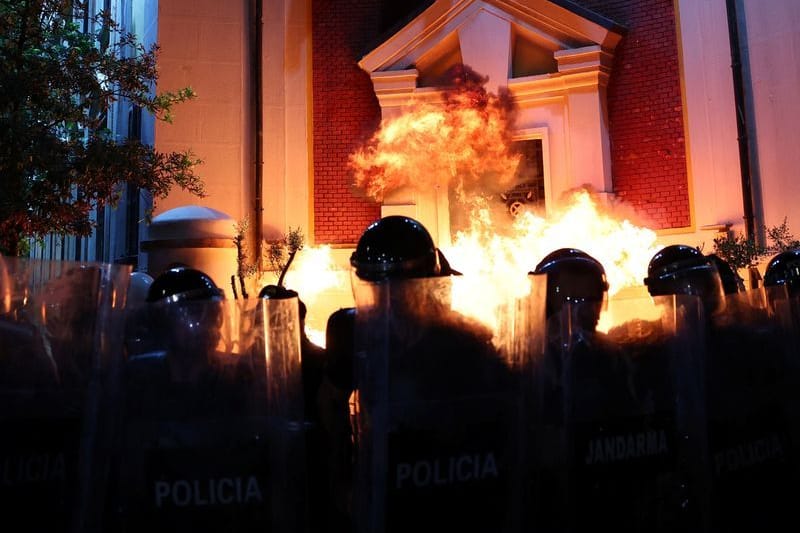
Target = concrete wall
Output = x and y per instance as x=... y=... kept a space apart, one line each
x=770 y=35
x=204 y=44
x=711 y=139
x=286 y=59
x=772 y=50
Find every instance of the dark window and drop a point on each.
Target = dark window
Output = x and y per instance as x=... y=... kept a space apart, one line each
x=528 y=189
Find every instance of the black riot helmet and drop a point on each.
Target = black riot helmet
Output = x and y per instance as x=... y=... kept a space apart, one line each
x=682 y=269
x=573 y=277
x=396 y=247
x=784 y=269
x=186 y=310
x=182 y=284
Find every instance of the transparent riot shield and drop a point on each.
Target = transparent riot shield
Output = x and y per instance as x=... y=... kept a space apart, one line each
x=752 y=383
x=211 y=430
x=622 y=444
x=441 y=435
x=786 y=309
x=60 y=325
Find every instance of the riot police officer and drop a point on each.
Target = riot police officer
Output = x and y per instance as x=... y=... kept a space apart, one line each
x=205 y=445
x=56 y=389
x=415 y=378
x=183 y=317
x=576 y=292
x=183 y=284
x=185 y=304
x=749 y=459
x=587 y=397
x=574 y=278
x=393 y=248
x=398 y=247
x=313 y=356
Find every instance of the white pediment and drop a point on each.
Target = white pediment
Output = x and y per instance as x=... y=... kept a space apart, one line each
x=529 y=31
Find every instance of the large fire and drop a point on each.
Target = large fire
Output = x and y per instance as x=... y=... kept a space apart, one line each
x=464 y=145
x=623 y=248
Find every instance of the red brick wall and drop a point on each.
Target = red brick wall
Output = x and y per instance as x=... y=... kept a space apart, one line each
x=645 y=111
x=346 y=113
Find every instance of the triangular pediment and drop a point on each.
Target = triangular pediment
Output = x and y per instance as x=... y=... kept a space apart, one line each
x=526 y=34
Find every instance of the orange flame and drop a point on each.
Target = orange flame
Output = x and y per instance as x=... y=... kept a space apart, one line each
x=623 y=248
x=462 y=143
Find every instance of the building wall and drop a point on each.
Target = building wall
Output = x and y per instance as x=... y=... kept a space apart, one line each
x=346 y=113
x=204 y=44
x=645 y=112
x=286 y=57
x=712 y=147
x=771 y=53
x=671 y=116
x=769 y=33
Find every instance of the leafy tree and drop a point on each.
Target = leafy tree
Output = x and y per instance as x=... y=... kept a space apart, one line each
x=737 y=250
x=59 y=76
x=782 y=238
x=741 y=252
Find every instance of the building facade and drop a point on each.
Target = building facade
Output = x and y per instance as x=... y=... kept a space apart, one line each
x=634 y=97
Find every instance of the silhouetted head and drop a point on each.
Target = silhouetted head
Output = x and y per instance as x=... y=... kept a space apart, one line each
x=577 y=279
x=139 y=287
x=682 y=269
